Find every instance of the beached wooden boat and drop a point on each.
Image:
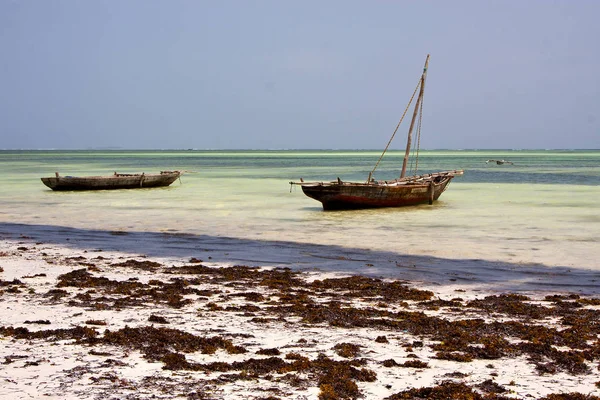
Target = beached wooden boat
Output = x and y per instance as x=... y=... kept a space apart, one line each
x=404 y=191
x=115 y=181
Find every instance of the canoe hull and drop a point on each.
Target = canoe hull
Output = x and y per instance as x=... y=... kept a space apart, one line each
x=349 y=196
x=111 y=182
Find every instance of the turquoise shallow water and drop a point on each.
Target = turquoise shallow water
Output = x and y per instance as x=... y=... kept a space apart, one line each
x=543 y=209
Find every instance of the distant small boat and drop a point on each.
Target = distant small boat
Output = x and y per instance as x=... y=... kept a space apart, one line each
x=500 y=162
x=115 y=181
x=404 y=191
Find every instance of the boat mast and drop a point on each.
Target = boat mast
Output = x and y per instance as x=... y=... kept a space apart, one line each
x=414 y=117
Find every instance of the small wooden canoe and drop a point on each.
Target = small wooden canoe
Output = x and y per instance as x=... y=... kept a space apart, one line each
x=115 y=181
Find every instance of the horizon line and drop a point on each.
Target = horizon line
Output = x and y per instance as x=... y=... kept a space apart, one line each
x=292 y=149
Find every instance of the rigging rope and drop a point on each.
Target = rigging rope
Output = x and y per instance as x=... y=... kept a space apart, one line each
x=395 y=130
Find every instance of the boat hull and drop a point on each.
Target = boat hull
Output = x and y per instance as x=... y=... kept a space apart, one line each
x=111 y=182
x=348 y=196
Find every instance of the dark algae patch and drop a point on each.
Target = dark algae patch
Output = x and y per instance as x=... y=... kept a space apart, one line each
x=155 y=343
x=51 y=335
x=178 y=321
x=445 y=391
x=486 y=390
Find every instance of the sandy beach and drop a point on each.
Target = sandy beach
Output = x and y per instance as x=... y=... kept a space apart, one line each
x=367 y=200
x=97 y=323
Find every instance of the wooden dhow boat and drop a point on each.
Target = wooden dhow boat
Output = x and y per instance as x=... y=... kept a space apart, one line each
x=115 y=181
x=404 y=191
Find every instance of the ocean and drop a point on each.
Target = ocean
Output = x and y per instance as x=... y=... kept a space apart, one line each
x=542 y=210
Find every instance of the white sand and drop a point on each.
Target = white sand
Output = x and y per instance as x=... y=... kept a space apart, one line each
x=44 y=369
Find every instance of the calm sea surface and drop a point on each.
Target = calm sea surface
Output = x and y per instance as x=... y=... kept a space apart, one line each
x=543 y=209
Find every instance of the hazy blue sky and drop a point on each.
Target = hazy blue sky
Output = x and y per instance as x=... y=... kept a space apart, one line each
x=297 y=74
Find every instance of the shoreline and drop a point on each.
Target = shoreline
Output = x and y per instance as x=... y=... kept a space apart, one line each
x=427 y=271
x=73 y=318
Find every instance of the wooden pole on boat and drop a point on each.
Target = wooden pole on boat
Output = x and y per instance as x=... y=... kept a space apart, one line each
x=414 y=118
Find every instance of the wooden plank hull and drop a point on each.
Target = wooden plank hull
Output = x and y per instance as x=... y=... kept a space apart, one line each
x=348 y=196
x=111 y=182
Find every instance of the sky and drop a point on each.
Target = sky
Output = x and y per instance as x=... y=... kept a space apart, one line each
x=272 y=74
